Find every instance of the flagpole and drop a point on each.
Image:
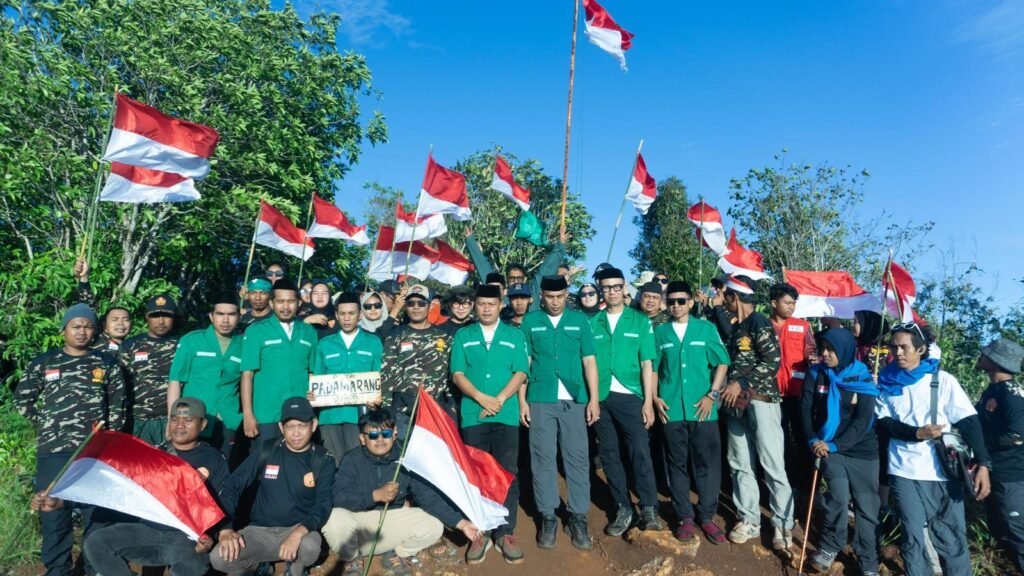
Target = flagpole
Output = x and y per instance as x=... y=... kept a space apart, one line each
x=252 y=249
x=394 y=235
x=700 y=252
x=74 y=455
x=416 y=220
x=97 y=188
x=881 y=326
x=394 y=478
x=622 y=206
x=305 y=237
x=568 y=115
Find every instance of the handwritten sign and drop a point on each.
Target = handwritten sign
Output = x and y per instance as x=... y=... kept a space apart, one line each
x=345 y=389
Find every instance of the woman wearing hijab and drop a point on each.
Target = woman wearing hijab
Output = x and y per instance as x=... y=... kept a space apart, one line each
x=375 y=315
x=868 y=329
x=319 y=312
x=589 y=299
x=838 y=406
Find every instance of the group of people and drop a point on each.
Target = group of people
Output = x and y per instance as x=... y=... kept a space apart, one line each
x=655 y=377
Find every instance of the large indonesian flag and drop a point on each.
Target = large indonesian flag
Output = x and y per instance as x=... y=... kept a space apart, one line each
x=710 y=230
x=471 y=478
x=136 y=185
x=276 y=231
x=408 y=227
x=330 y=222
x=146 y=137
x=444 y=192
x=604 y=33
x=504 y=183
x=829 y=294
x=900 y=293
x=120 y=472
x=415 y=262
x=643 y=190
x=740 y=261
x=451 y=267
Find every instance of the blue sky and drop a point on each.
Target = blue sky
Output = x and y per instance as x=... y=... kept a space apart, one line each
x=928 y=96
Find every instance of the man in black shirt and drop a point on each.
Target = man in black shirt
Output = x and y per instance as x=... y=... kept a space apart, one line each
x=293 y=499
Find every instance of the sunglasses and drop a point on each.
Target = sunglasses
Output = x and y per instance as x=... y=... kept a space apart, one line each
x=677 y=301
x=274 y=274
x=613 y=288
x=415 y=303
x=588 y=294
x=663 y=280
x=386 y=433
x=376 y=306
x=907 y=326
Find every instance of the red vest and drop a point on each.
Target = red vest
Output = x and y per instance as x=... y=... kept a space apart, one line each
x=792 y=335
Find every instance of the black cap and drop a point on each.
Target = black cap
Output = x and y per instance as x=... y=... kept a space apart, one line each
x=553 y=284
x=652 y=287
x=297 y=408
x=162 y=304
x=495 y=277
x=610 y=273
x=678 y=286
x=488 y=291
x=285 y=284
x=389 y=287
x=601 y=268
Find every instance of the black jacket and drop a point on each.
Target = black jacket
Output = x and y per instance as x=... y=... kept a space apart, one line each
x=1001 y=411
x=855 y=437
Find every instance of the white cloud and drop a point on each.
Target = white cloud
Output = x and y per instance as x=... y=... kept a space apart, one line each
x=370 y=22
x=998 y=30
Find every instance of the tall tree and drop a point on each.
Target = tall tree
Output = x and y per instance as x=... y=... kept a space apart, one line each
x=666 y=241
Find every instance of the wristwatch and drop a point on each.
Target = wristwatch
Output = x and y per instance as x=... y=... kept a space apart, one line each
x=714 y=395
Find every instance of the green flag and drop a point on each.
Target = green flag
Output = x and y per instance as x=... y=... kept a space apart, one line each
x=531 y=229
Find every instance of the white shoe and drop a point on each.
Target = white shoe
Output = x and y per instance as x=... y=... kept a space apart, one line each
x=743 y=531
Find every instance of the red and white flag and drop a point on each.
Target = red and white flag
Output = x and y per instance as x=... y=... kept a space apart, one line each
x=276 y=231
x=409 y=228
x=740 y=261
x=829 y=294
x=710 y=230
x=900 y=293
x=330 y=222
x=604 y=33
x=120 y=472
x=144 y=136
x=471 y=478
x=739 y=285
x=420 y=258
x=451 y=268
x=504 y=183
x=444 y=192
x=643 y=190
x=136 y=185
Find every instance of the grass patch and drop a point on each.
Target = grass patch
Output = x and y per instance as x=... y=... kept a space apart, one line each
x=19 y=528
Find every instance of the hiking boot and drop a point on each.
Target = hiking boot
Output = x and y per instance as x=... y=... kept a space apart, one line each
x=478 y=549
x=623 y=520
x=649 y=519
x=353 y=567
x=330 y=563
x=686 y=532
x=395 y=565
x=782 y=539
x=822 y=560
x=712 y=532
x=743 y=531
x=509 y=549
x=578 y=532
x=548 y=530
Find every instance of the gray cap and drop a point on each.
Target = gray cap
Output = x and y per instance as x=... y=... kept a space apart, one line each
x=1006 y=353
x=78 y=311
x=189 y=406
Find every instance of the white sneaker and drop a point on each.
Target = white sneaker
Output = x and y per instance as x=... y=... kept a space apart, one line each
x=744 y=531
x=782 y=539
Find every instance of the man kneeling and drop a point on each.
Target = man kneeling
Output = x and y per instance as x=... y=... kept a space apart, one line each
x=362 y=488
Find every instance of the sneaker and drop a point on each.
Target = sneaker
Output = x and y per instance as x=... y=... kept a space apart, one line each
x=712 y=532
x=782 y=539
x=649 y=519
x=623 y=520
x=395 y=565
x=686 y=532
x=509 y=549
x=478 y=549
x=822 y=560
x=548 y=531
x=353 y=567
x=328 y=566
x=579 y=533
x=264 y=569
x=743 y=531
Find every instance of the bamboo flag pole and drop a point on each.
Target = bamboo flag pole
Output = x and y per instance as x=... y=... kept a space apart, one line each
x=252 y=249
x=568 y=116
x=881 y=325
x=624 y=197
x=92 y=215
x=309 y=214
x=416 y=220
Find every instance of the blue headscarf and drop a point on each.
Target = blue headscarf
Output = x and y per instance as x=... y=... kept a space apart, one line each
x=892 y=378
x=850 y=375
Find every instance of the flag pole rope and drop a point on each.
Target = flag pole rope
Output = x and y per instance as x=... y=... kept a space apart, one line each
x=568 y=116
x=622 y=206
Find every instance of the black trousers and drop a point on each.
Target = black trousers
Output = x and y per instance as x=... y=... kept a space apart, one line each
x=502 y=442
x=56 y=526
x=1006 y=517
x=622 y=417
x=112 y=547
x=701 y=443
x=798 y=457
x=339 y=439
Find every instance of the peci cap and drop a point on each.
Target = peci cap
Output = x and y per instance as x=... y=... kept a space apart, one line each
x=297 y=408
x=553 y=284
x=654 y=287
x=488 y=291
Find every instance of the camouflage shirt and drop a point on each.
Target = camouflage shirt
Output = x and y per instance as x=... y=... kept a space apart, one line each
x=413 y=356
x=103 y=343
x=64 y=395
x=85 y=295
x=247 y=319
x=659 y=319
x=147 y=367
x=755 y=354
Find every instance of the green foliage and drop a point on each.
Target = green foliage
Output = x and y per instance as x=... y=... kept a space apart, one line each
x=666 y=241
x=19 y=528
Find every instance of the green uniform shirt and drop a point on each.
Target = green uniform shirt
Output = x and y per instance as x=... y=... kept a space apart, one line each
x=684 y=368
x=210 y=375
x=333 y=357
x=281 y=365
x=557 y=354
x=489 y=369
x=620 y=353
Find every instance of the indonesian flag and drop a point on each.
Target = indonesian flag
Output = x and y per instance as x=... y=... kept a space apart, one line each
x=330 y=222
x=740 y=261
x=471 y=478
x=146 y=137
x=900 y=293
x=643 y=190
x=710 y=230
x=409 y=228
x=276 y=231
x=604 y=33
x=444 y=192
x=829 y=294
x=120 y=472
x=504 y=183
x=136 y=185
x=420 y=259
x=451 y=268
x=739 y=285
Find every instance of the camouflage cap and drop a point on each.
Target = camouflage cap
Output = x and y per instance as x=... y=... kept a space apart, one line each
x=189 y=406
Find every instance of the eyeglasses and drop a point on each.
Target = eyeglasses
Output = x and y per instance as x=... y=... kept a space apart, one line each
x=663 y=280
x=415 y=303
x=462 y=303
x=275 y=273
x=376 y=306
x=677 y=301
x=385 y=433
x=613 y=288
x=588 y=294
x=517 y=279
x=908 y=326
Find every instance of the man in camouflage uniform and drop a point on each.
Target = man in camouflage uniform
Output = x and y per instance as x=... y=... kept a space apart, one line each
x=651 y=303
x=257 y=294
x=115 y=324
x=63 y=393
x=755 y=433
x=146 y=360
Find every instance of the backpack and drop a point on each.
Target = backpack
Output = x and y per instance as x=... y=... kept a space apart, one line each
x=955 y=458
